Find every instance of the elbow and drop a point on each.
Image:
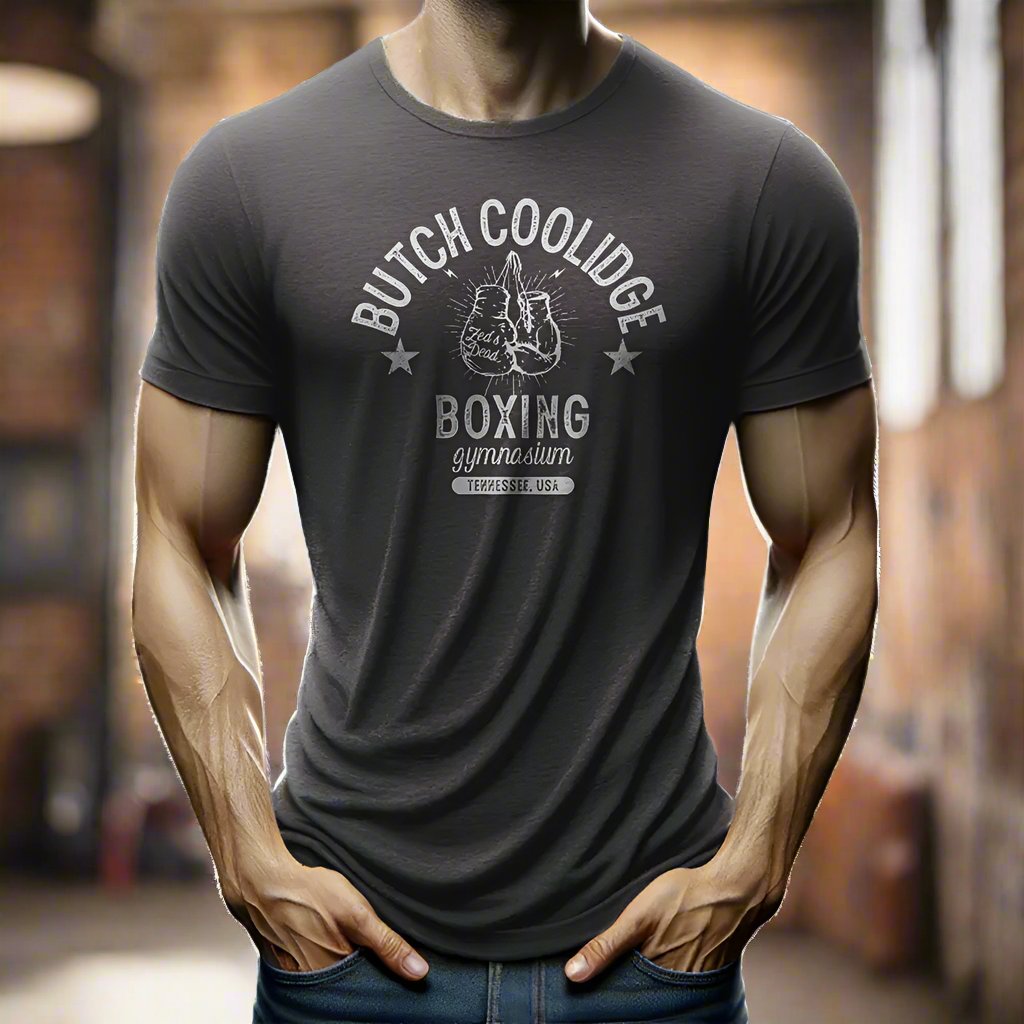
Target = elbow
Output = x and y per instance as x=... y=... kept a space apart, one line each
x=839 y=553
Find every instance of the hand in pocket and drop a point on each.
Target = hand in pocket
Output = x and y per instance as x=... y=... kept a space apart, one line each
x=306 y=919
x=691 y=920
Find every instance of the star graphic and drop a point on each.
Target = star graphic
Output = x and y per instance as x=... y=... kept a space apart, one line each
x=622 y=359
x=400 y=358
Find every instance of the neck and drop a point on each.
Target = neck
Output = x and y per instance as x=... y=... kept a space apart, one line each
x=498 y=60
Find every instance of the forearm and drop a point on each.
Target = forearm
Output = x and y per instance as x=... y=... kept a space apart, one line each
x=197 y=651
x=810 y=655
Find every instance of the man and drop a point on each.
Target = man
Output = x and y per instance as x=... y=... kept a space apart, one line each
x=504 y=280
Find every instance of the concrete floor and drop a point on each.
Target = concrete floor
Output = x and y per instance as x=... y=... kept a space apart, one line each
x=170 y=953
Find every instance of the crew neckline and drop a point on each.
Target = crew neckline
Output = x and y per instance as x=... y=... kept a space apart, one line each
x=612 y=79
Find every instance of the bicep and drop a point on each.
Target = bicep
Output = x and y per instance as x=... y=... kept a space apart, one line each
x=809 y=469
x=199 y=471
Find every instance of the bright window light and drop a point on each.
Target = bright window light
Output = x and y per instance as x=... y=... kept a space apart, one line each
x=40 y=105
x=909 y=203
x=975 y=161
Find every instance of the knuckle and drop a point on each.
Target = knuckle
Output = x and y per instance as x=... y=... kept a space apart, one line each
x=600 y=948
x=361 y=917
x=390 y=946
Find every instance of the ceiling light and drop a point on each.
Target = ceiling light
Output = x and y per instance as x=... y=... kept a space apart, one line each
x=40 y=105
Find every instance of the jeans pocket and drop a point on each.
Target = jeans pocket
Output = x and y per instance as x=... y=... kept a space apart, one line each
x=316 y=977
x=715 y=976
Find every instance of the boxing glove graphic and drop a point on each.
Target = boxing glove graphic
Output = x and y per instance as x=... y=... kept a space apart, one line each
x=493 y=344
x=489 y=334
x=539 y=345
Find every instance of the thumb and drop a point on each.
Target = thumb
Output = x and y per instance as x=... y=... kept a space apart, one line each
x=601 y=950
x=369 y=930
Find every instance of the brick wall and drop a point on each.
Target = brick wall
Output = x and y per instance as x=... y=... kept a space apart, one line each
x=54 y=295
x=1001 y=811
x=48 y=201
x=950 y=658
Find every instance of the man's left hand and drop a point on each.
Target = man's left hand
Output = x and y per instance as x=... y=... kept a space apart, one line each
x=688 y=919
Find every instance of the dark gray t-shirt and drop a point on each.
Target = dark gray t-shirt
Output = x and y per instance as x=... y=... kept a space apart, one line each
x=504 y=358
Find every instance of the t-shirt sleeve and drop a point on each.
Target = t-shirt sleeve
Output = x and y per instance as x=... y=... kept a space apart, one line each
x=803 y=337
x=210 y=344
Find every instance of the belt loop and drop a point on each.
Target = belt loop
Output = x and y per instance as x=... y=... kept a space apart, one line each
x=538 y=991
x=493 y=991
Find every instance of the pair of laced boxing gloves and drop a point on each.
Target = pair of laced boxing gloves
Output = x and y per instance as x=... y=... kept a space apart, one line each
x=494 y=344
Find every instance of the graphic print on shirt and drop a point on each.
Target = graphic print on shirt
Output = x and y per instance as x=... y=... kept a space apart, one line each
x=510 y=327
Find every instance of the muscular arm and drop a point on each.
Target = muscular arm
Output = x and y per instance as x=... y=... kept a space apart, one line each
x=809 y=473
x=199 y=475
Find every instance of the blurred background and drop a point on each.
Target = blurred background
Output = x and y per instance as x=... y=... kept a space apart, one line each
x=907 y=902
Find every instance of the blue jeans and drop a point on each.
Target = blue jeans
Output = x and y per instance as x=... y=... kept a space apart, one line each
x=360 y=989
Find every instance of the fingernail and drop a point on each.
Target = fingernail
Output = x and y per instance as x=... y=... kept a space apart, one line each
x=415 y=964
x=576 y=967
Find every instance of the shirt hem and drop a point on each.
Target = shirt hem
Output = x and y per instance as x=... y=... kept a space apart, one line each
x=251 y=399
x=806 y=386
x=514 y=944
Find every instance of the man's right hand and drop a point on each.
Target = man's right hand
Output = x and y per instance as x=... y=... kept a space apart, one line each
x=304 y=919
x=199 y=475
